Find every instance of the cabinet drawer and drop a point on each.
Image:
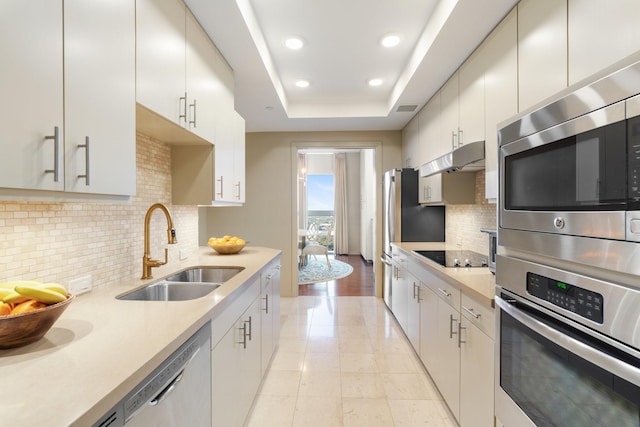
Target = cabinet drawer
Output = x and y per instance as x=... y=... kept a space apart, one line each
x=479 y=314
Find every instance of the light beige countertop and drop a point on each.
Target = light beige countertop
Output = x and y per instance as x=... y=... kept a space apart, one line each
x=101 y=347
x=477 y=282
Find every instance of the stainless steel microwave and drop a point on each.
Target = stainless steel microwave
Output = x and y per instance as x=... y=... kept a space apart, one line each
x=578 y=178
x=569 y=176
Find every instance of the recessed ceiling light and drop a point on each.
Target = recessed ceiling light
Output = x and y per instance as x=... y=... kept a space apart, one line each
x=375 y=82
x=302 y=83
x=390 y=41
x=294 y=43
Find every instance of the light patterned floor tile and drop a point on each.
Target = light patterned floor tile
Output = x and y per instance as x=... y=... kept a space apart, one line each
x=314 y=411
x=410 y=413
x=355 y=345
x=320 y=384
x=272 y=411
x=323 y=362
x=362 y=385
x=408 y=386
x=366 y=413
x=287 y=361
x=395 y=363
x=280 y=383
x=358 y=362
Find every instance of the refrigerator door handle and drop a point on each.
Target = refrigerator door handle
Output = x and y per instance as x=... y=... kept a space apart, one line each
x=383 y=259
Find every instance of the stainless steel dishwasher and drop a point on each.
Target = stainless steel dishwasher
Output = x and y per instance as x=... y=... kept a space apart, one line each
x=177 y=393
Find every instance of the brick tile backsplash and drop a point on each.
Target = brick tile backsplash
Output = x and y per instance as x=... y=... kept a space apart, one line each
x=61 y=241
x=463 y=222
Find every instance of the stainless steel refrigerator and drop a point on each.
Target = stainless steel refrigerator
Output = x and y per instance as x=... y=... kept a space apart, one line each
x=404 y=220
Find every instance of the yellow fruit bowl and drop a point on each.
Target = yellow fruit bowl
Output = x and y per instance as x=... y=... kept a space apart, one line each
x=17 y=330
x=226 y=249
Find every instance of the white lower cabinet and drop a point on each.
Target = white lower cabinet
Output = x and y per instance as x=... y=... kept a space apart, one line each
x=454 y=339
x=476 y=376
x=269 y=313
x=413 y=310
x=243 y=338
x=235 y=369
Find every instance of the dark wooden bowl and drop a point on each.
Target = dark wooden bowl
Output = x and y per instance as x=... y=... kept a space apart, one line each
x=17 y=330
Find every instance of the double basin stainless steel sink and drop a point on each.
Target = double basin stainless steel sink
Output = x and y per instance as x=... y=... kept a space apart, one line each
x=190 y=283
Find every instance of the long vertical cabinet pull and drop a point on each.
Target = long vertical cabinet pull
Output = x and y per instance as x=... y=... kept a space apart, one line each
x=56 y=154
x=221 y=186
x=266 y=304
x=250 y=327
x=193 y=116
x=451 y=331
x=238 y=186
x=87 y=175
x=244 y=335
x=460 y=328
x=460 y=137
x=181 y=115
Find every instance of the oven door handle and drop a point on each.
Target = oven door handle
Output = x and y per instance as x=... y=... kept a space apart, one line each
x=605 y=361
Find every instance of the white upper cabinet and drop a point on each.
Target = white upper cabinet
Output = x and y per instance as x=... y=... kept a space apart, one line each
x=501 y=91
x=32 y=92
x=411 y=142
x=542 y=50
x=449 y=116
x=99 y=97
x=471 y=103
x=160 y=60
x=432 y=145
x=48 y=119
x=600 y=33
x=202 y=85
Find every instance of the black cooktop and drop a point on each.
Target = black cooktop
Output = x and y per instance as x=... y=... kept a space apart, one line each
x=456 y=258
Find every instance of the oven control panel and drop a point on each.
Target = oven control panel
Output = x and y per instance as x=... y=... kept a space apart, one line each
x=583 y=302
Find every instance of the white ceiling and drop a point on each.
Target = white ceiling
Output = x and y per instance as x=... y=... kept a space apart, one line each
x=341 y=53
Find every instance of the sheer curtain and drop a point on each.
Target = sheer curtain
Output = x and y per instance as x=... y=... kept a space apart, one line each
x=341 y=236
x=302 y=191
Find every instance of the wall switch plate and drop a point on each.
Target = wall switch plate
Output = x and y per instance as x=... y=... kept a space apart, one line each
x=184 y=253
x=81 y=285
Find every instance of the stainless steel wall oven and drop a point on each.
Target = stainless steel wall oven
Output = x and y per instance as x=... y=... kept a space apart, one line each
x=568 y=262
x=567 y=348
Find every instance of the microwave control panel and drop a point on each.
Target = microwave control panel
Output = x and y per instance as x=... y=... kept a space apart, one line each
x=583 y=302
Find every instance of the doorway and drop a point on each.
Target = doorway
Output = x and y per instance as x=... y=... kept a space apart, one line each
x=336 y=218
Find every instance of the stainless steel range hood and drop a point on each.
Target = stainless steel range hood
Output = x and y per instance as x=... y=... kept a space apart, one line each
x=467 y=158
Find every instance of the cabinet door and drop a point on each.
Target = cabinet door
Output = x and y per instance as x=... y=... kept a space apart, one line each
x=449 y=116
x=160 y=60
x=235 y=369
x=446 y=372
x=542 y=50
x=471 y=99
x=476 y=376
x=431 y=188
x=413 y=311
x=99 y=96
x=201 y=80
x=266 y=314
x=400 y=300
x=31 y=82
x=428 y=327
x=238 y=158
x=501 y=92
x=430 y=130
x=411 y=142
x=600 y=33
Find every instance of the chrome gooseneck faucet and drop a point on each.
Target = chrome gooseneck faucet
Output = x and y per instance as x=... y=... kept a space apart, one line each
x=147 y=262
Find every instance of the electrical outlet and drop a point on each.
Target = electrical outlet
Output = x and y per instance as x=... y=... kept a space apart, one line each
x=81 y=285
x=184 y=253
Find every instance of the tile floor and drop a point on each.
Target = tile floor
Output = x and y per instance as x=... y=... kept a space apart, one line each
x=343 y=361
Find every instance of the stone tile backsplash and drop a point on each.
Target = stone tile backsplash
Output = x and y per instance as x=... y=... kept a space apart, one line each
x=61 y=241
x=463 y=222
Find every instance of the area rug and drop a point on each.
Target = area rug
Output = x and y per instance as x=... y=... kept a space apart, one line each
x=317 y=271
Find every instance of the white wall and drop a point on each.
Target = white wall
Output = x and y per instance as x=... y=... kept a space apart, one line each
x=268 y=216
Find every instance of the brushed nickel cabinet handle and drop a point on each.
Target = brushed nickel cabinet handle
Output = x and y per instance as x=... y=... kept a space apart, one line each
x=182 y=115
x=86 y=176
x=193 y=116
x=460 y=137
x=238 y=186
x=244 y=335
x=56 y=154
x=471 y=312
x=250 y=327
x=460 y=328
x=266 y=304
x=221 y=189
x=445 y=293
x=451 y=331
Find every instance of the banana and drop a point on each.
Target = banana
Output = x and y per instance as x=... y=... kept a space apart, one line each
x=5 y=309
x=5 y=291
x=14 y=298
x=40 y=294
x=55 y=287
